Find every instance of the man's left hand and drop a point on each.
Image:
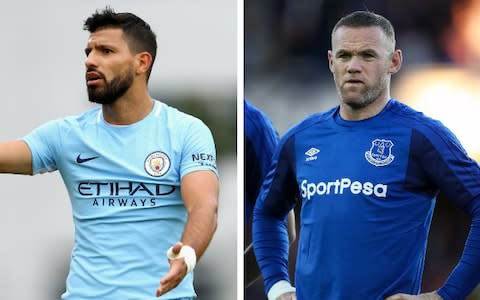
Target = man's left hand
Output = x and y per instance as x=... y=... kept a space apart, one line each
x=178 y=270
x=426 y=296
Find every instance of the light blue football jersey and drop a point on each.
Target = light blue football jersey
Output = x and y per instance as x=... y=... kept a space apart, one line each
x=124 y=186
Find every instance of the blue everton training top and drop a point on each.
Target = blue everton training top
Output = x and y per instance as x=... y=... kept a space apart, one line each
x=124 y=186
x=260 y=140
x=368 y=192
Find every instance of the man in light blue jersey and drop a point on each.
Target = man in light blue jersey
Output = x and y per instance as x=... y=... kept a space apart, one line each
x=141 y=175
x=367 y=173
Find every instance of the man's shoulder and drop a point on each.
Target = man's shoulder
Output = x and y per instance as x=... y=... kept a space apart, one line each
x=257 y=125
x=253 y=114
x=180 y=123
x=69 y=122
x=408 y=116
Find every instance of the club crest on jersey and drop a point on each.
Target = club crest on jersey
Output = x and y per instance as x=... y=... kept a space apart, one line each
x=157 y=163
x=380 y=154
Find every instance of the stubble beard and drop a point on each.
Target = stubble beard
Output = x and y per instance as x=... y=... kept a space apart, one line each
x=365 y=97
x=113 y=89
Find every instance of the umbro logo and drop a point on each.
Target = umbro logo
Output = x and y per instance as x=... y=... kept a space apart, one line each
x=311 y=154
x=81 y=160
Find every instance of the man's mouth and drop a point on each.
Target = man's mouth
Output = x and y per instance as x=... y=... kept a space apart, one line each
x=354 y=81
x=93 y=78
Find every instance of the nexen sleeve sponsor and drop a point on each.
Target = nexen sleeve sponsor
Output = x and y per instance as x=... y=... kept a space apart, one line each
x=338 y=186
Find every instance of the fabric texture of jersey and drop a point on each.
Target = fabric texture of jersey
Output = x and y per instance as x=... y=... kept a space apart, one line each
x=124 y=186
x=260 y=142
x=368 y=191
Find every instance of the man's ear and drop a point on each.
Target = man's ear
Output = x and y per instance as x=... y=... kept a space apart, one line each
x=330 y=60
x=396 y=62
x=143 y=62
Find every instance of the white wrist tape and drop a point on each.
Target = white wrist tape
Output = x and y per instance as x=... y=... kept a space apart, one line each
x=279 y=288
x=187 y=253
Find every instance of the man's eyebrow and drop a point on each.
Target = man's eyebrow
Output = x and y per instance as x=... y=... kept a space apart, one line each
x=100 y=46
x=342 y=51
x=368 y=50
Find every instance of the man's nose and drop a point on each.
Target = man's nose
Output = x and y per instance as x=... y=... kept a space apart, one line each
x=354 y=65
x=91 y=61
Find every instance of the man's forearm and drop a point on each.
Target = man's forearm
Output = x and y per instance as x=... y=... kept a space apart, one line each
x=270 y=240
x=200 y=196
x=466 y=275
x=200 y=227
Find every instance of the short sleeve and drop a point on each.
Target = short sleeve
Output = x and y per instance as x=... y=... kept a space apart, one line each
x=42 y=143
x=198 y=151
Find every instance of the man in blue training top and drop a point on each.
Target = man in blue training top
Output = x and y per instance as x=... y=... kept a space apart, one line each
x=367 y=173
x=260 y=140
x=141 y=175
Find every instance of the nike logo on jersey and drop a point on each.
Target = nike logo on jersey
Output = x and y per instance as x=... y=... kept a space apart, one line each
x=81 y=160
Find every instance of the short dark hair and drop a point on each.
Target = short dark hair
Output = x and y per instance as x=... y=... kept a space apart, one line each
x=367 y=19
x=137 y=32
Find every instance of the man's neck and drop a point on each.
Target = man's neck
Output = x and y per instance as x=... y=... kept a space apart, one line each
x=128 y=109
x=369 y=111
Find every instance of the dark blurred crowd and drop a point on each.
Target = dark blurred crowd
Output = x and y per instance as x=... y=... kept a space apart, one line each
x=290 y=38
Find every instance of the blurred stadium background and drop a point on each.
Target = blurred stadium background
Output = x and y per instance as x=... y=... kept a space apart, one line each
x=287 y=76
x=42 y=78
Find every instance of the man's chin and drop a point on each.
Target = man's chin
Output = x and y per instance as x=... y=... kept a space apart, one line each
x=351 y=98
x=100 y=100
x=355 y=102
